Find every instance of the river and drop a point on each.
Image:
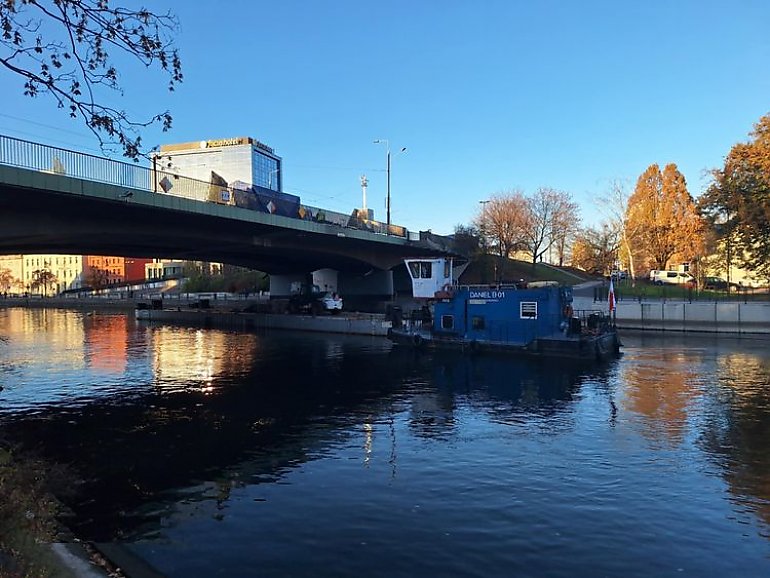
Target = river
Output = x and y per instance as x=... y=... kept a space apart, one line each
x=213 y=453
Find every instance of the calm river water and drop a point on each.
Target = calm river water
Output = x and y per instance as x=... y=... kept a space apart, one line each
x=211 y=453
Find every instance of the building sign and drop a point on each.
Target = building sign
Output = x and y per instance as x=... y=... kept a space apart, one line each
x=225 y=142
x=264 y=147
x=215 y=143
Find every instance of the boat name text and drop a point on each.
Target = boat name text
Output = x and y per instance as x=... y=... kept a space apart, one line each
x=487 y=295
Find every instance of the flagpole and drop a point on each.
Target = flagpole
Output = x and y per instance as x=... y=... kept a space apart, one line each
x=611 y=302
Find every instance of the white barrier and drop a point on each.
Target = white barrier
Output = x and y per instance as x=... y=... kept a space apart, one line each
x=715 y=317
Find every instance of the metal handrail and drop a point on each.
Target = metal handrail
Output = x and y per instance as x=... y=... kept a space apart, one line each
x=54 y=160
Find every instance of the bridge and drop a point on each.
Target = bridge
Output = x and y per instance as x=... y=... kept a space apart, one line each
x=58 y=201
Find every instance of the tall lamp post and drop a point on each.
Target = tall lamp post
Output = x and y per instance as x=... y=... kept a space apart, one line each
x=387 y=199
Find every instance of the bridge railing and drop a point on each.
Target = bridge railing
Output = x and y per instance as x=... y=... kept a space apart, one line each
x=54 y=160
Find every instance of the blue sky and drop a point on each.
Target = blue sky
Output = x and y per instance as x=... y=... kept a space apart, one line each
x=486 y=95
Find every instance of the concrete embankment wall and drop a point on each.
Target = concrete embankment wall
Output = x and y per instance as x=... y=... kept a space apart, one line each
x=715 y=317
x=228 y=317
x=353 y=324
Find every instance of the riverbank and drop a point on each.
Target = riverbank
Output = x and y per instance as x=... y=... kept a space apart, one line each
x=723 y=317
x=347 y=323
x=28 y=517
x=236 y=315
x=33 y=541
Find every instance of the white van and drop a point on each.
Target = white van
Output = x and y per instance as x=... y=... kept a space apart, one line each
x=670 y=277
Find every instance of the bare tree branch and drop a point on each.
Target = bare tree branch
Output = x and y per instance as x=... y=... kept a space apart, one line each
x=60 y=48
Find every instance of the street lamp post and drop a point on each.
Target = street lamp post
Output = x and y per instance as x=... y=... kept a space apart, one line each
x=387 y=170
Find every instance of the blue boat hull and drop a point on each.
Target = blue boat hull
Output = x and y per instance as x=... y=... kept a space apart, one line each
x=584 y=347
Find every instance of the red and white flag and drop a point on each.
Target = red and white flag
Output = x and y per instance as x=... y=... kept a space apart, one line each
x=611 y=296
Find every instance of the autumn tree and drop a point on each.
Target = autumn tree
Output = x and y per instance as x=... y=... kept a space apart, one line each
x=614 y=206
x=595 y=249
x=737 y=203
x=661 y=219
x=550 y=216
x=97 y=278
x=42 y=279
x=502 y=220
x=6 y=280
x=65 y=49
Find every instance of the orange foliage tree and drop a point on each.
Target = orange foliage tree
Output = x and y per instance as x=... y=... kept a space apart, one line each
x=662 y=220
x=739 y=200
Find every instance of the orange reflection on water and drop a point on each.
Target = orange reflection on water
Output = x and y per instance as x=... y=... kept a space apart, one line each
x=50 y=335
x=662 y=387
x=194 y=358
x=106 y=338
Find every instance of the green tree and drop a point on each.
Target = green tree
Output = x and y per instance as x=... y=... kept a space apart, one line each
x=737 y=203
x=65 y=49
x=662 y=220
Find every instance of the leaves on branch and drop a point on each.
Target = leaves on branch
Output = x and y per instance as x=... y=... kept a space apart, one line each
x=737 y=202
x=661 y=219
x=63 y=48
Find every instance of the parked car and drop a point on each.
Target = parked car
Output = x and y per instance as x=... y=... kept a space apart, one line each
x=618 y=275
x=658 y=277
x=715 y=284
x=313 y=300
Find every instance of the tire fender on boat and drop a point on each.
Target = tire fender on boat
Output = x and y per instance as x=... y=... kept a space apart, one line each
x=417 y=340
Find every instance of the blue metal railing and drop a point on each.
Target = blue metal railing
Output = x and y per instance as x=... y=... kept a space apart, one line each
x=39 y=157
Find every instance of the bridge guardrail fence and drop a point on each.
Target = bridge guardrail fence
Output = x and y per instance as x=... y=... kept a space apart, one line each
x=44 y=158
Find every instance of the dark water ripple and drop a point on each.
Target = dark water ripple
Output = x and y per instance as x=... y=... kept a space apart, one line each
x=214 y=453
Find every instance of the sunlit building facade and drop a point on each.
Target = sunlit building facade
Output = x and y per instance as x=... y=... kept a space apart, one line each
x=52 y=274
x=104 y=271
x=11 y=274
x=241 y=159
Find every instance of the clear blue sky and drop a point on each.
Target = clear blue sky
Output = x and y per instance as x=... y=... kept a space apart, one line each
x=487 y=95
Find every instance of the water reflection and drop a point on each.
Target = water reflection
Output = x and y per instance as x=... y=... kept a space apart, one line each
x=183 y=357
x=509 y=390
x=309 y=445
x=713 y=392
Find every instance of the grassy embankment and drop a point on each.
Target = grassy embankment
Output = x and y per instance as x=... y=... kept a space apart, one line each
x=486 y=269
x=644 y=290
x=28 y=513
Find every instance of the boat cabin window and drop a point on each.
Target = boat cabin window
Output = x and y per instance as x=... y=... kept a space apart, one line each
x=528 y=309
x=477 y=322
x=421 y=269
x=447 y=322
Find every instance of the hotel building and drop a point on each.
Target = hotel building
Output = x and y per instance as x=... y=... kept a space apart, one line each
x=232 y=159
